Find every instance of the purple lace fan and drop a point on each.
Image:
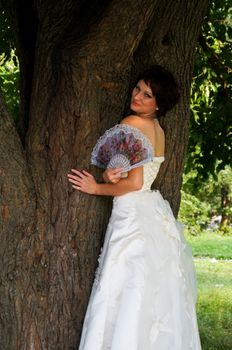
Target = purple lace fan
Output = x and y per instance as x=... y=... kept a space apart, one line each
x=122 y=146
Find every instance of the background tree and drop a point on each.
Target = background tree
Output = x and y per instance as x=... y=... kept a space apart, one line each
x=77 y=63
x=211 y=98
x=209 y=152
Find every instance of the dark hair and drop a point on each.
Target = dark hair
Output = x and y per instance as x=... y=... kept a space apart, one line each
x=163 y=86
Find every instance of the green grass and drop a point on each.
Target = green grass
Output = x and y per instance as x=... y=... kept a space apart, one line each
x=214 y=306
x=214 y=275
x=209 y=244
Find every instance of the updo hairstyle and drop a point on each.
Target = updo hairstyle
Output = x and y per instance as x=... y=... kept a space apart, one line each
x=163 y=86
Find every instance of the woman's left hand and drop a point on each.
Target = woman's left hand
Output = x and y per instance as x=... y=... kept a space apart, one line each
x=83 y=181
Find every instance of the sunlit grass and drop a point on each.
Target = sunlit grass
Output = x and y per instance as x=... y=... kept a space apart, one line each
x=209 y=244
x=213 y=254
x=214 y=306
x=214 y=275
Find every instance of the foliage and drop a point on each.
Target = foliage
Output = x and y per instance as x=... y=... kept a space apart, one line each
x=9 y=65
x=200 y=204
x=194 y=214
x=211 y=103
x=9 y=82
x=7 y=43
x=210 y=190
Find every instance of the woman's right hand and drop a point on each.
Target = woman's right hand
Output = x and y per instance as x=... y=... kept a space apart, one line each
x=112 y=175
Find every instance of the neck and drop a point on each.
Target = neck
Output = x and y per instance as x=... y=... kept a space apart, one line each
x=147 y=116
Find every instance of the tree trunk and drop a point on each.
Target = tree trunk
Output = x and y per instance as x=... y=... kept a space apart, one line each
x=85 y=58
x=225 y=207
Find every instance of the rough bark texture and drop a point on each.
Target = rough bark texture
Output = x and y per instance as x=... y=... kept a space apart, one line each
x=84 y=58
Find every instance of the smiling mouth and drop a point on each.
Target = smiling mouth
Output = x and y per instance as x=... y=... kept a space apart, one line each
x=135 y=103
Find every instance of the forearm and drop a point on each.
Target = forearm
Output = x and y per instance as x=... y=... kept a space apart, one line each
x=122 y=187
x=85 y=182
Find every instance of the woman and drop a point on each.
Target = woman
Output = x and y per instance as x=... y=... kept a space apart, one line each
x=144 y=293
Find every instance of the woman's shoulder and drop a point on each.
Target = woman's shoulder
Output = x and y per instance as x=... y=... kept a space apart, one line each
x=133 y=120
x=151 y=129
x=143 y=124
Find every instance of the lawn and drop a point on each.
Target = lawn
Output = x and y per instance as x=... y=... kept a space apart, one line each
x=214 y=275
x=209 y=244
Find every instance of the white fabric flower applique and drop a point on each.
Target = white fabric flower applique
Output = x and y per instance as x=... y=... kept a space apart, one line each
x=159 y=325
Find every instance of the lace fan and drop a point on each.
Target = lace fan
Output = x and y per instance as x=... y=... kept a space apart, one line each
x=122 y=146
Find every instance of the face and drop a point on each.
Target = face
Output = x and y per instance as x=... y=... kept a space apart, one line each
x=143 y=101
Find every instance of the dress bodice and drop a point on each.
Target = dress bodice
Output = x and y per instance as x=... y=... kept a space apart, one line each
x=150 y=171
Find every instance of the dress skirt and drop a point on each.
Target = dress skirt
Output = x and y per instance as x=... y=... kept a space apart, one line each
x=144 y=293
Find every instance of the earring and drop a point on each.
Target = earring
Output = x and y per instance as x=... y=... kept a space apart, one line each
x=157 y=108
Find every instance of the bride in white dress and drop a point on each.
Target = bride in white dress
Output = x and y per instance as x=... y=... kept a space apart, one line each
x=144 y=293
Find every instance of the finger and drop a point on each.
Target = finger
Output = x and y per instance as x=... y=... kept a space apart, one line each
x=112 y=178
x=114 y=181
x=118 y=170
x=74 y=177
x=77 y=172
x=115 y=169
x=86 y=173
x=80 y=189
x=116 y=176
x=77 y=188
x=76 y=182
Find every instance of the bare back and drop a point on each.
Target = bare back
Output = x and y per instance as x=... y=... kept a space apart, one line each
x=150 y=128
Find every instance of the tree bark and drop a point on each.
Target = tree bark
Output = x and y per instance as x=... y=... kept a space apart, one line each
x=225 y=207
x=84 y=59
x=17 y=211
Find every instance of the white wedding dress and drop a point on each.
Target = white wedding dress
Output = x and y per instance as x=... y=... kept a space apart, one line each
x=144 y=294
